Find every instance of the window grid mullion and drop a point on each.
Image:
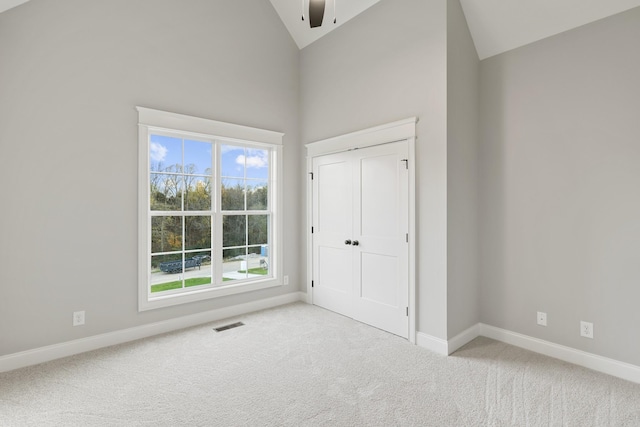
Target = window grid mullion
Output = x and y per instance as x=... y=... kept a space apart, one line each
x=246 y=217
x=184 y=219
x=219 y=216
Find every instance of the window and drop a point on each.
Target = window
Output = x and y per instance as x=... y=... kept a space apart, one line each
x=209 y=209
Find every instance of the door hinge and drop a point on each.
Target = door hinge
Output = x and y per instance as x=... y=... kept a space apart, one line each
x=312 y=283
x=406 y=163
x=407 y=311
x=311 y=173
x=407 y=237
x=311 y=230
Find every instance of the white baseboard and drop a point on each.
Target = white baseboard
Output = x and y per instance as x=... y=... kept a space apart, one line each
x=305 y=297
x=602 y=364
x=463 y=338
x=613 y=367
x=437 y=345
x=444 y=347
x=69 y=348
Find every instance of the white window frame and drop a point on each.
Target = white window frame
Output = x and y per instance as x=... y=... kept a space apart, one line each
x=150 y=121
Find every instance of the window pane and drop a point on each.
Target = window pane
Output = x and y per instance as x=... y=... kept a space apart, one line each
x=258 y=229
x=258 y=261
x=197 y=194
x=165 y=192
x=257 y=163
x=234 y=229
x=257 y=196
x=166 y=272
x=232 y=161
x=234 y=264
x=165 y=154
x=198 y=269
x=166 y=234
x=197 y=157
x=197 y=232
x=232 y=193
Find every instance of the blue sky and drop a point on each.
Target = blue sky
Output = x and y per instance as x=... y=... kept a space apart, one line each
x=236 y=161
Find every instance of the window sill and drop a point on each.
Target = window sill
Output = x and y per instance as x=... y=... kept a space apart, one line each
x=152 y=302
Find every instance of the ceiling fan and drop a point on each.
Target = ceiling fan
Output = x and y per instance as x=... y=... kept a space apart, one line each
x=316 y=12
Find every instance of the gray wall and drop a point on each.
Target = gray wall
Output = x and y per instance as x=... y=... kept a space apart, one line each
x=387 y=64
x=71 y=73
x=463 y=90
x=560 y=205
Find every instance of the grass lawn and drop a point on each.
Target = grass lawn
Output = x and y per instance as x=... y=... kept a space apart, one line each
x=195 y=281
x=257 y=270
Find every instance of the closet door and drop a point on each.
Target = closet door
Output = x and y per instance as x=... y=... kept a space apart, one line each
x=360 y=225
x=332 y=227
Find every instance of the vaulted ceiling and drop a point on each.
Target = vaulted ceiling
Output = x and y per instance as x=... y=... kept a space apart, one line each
x=496 y=25
x=501 y=25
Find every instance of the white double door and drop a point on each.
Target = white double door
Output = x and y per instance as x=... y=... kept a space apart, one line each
x=360 y=235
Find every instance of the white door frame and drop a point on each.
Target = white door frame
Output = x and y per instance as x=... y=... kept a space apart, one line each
x=391 y=132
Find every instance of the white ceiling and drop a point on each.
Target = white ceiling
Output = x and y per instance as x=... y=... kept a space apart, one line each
x=8 y=4
x=501 y=25
x=290 y=12
x=496 y=25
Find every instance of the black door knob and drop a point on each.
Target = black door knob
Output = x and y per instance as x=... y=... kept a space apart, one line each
x=355 y=243
x=347 y=242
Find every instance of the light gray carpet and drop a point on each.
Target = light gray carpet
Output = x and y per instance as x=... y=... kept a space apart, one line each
x=300 y=365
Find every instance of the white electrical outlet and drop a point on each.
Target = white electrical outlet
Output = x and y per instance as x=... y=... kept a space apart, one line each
x=286 y=280
x=78 y=318
x=542 y=318
x=586 y=329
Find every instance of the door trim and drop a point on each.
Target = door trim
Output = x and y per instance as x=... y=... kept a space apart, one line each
x=391 y=132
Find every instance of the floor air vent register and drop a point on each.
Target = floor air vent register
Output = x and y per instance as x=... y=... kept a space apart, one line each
x=229 y=326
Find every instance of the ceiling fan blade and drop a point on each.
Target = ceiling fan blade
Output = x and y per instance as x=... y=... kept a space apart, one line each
x=316 y=12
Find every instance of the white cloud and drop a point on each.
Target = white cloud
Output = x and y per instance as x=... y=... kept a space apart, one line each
x=158 y=152
x=256 y=159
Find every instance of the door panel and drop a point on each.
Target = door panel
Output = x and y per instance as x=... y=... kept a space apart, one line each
x=377 y=217
x=333 y=287
x=377 y=272
x=331 y=176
